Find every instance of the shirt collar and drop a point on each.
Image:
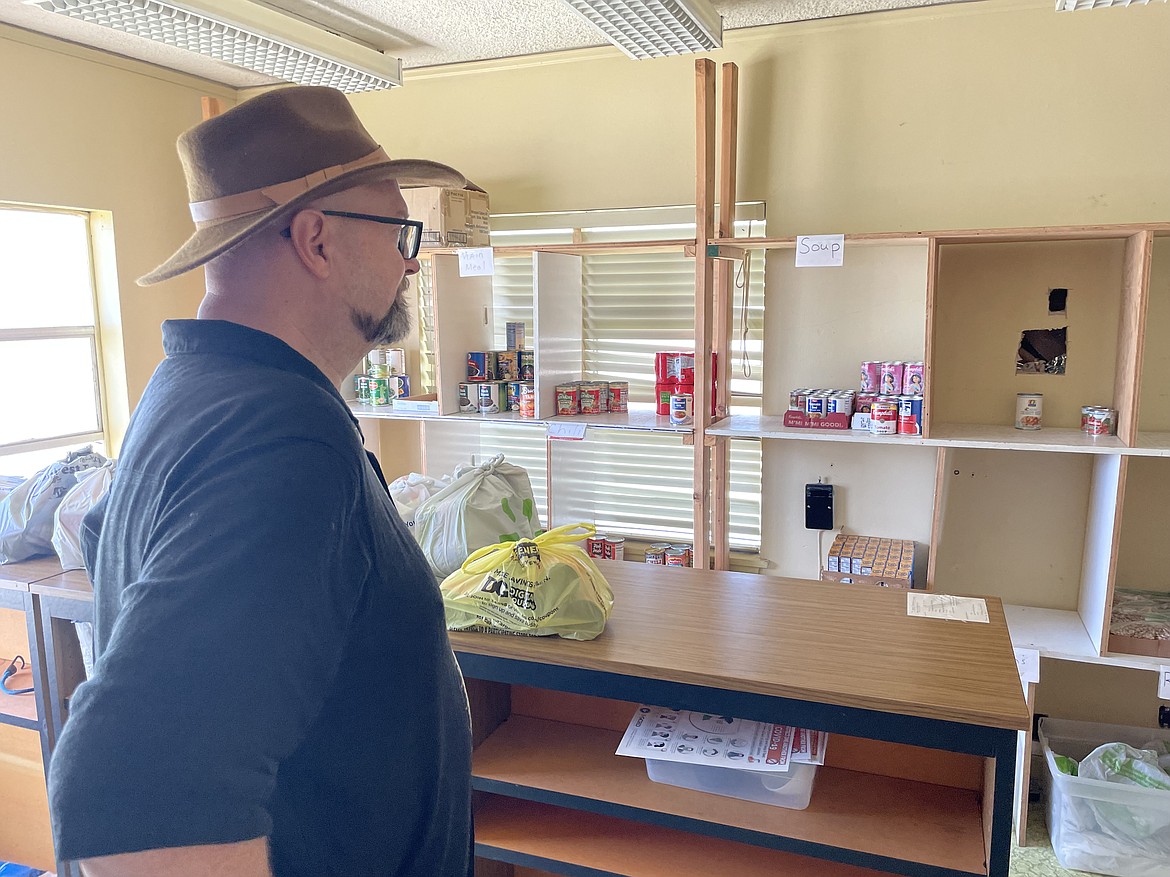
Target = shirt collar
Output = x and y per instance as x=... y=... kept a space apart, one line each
x=232 y=339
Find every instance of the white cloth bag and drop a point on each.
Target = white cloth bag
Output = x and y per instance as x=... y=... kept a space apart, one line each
x=409 y=492
x=90 y=488
x=484 y=505
x=26 y=514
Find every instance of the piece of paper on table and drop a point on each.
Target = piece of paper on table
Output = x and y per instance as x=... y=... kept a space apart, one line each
x=719 y=741
x=946 y=606
x=820 y=250
x=476 y=262
x=571 y=431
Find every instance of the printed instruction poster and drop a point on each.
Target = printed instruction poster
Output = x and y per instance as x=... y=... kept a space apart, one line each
x=719 y=741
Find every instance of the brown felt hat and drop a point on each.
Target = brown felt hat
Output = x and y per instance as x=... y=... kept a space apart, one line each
x=254 y=166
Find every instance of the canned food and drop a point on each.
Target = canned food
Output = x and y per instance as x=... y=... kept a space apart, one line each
x=674 y=557
x=674 y=367
x=1098 y=420
x=399 y=386
x=593 y=397
x=379 y=391
x=481 y=366
x=378 y=370
x=892 y=373
x=814 y=405
x=527 y=359
x=839 y=403
x=682 y=409
x=615 y=548
x=685 y=547
x=797 y=398
x=871 y=375
x=883 y=416
x=527 y=400
x=910 y=415
x=468 y=398
x=568 y=400
x=492 y=396
x=914 y=379
x=514 y=335
x=396 y=359
x=514 y=395
x=507 y=365
x=619 y=396
x=1029 y=410
x=595 y=546
x=863 y=402
x=361 y=389
x=656 y=553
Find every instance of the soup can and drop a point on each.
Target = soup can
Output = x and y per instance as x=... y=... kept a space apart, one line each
x=1098 y=420
x=890 y=382
x=399 y=386
x=527 y=399
x=619 y=396
x=477 y=366
x=675 y=557
x=909 y=415
x=492 y=396
x=594 y=397
x=514 y=335
x=814 y=405
x=656 y=553
x=527 y=359
x=914 y=379
x=871 y=375
x=468 y=398
x=685 y=547
x=595 y=545
x=797 y=397
x=1029 y=410
x=507 y=365
x=614 y=548
x=568 y=400
x=883 y=416
x=682 y=409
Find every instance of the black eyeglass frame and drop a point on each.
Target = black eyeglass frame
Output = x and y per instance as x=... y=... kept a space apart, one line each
x=403 y=237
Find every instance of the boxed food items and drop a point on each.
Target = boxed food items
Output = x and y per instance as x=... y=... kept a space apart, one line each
x=722 y=755
x=1108 y=797
x=450 y=217
x=870 y=560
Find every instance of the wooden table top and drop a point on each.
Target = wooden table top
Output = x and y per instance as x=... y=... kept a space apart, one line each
x=18 y=576
x=846 y=645
x=72 y=584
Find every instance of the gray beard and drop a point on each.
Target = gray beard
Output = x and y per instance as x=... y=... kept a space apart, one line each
x=394 y=326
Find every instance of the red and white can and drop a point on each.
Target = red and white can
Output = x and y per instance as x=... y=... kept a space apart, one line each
x=892 y=373
x=863 y=402
x=568 y=400
x=909 y=415
x=914 y=379
x=871 y=375
x=1098 y=420
x=619 y=396
x=682 y=411
x=675 y=557
x=656 y=553
x=883 y=416
x=614 y=548
x=595 y=545
x=593 y=397
x=527 y=400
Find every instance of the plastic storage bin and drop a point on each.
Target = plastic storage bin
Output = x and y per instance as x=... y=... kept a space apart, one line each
x=791 y=789
x=1109 y=828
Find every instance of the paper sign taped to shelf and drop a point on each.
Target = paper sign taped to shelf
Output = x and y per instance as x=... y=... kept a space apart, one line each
x=664 y=734
x=476 y=262
x=820 y=250
x=573 y=432
x=947 y=607
x=1164 y=682
x=1028 y=662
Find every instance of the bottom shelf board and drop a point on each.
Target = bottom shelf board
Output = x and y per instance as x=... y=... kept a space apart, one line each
x=872 y=815
x=542 y=836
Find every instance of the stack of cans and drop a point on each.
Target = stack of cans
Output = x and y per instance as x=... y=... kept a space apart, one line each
x=670 y=554
x=592 y=397
x=384 y=377
x=501 y=380
x=606 y=547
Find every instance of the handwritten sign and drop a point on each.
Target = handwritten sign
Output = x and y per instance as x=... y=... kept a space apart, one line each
x=820 y=250
x=1028 y=662
x=1164 y=682
x=476 y=262
x=573 y=432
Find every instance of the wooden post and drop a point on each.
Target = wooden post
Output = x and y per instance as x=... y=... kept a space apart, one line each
x=212 y=106
x=704 y=290
x=723 y=320
x=1131 y=334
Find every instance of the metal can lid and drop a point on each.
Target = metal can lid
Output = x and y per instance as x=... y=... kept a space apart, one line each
x=616 y=540
x=676 y=552
x=1031 y=395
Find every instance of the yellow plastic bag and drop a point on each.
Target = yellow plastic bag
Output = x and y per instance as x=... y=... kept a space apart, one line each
x=535 y=587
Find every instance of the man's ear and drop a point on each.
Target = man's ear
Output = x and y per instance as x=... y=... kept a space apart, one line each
x=310 y=239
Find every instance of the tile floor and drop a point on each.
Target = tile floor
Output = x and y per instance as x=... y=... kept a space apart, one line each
x=1037 y=858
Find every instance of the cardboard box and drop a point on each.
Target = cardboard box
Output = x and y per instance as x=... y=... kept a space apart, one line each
x=451 y=217
x=857 y=578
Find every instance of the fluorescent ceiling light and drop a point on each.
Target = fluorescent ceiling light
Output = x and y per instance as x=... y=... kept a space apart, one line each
x=1074 y=5
x=246 y=35
x=655 y=28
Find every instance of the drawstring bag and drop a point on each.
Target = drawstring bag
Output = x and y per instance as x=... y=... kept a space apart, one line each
x=26 y=514
x=91 y=486
x=534 y=587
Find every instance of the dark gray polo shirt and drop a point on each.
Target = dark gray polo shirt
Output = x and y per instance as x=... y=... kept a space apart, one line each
x=273 y=659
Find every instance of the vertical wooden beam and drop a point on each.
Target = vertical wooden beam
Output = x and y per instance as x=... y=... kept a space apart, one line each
x=212 y=106
x=723 y=310
x=932 y=269
x=704 y=291
x=1139 y=250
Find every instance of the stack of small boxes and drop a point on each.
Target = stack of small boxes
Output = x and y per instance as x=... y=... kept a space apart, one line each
x=870 y=560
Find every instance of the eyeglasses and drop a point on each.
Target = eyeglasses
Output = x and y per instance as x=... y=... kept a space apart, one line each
x=409 y=235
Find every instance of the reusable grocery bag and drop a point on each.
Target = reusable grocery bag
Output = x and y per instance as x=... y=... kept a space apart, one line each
x=26 y=514
x=409 y=492
x=534 y=587
x=484 y=505
x=91 y=486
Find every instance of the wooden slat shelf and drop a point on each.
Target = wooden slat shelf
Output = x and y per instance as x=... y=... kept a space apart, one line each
x=505 y=829
x=638 y=418
x=866 y=813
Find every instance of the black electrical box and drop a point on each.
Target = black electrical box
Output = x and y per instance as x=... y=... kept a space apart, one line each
x=818 y=506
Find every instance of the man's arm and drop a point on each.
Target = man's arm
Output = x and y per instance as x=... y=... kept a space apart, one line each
x=245 y=859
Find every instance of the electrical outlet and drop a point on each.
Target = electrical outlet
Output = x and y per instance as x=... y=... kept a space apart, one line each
x=818 y=506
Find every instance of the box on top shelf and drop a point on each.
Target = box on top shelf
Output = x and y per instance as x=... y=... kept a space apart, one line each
x=451 y=217
x=870 y=560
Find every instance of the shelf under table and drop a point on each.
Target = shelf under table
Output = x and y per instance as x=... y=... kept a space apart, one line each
x=19 y=710
x=872 y=815
x=504 y=830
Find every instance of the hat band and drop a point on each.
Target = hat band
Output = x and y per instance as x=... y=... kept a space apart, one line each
x=267 y=197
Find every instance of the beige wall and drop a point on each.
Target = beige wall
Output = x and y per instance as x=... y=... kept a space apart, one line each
x=89 y=130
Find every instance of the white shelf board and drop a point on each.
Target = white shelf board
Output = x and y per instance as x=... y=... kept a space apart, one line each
x=1060 y=634
x=641 y=418
x=953 y=435
x=1152 y=444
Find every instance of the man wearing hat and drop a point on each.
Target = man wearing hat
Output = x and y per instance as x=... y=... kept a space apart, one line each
x=274 y=692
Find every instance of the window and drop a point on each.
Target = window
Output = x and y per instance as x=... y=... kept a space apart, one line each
x=50 y=377
x=637 y=484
